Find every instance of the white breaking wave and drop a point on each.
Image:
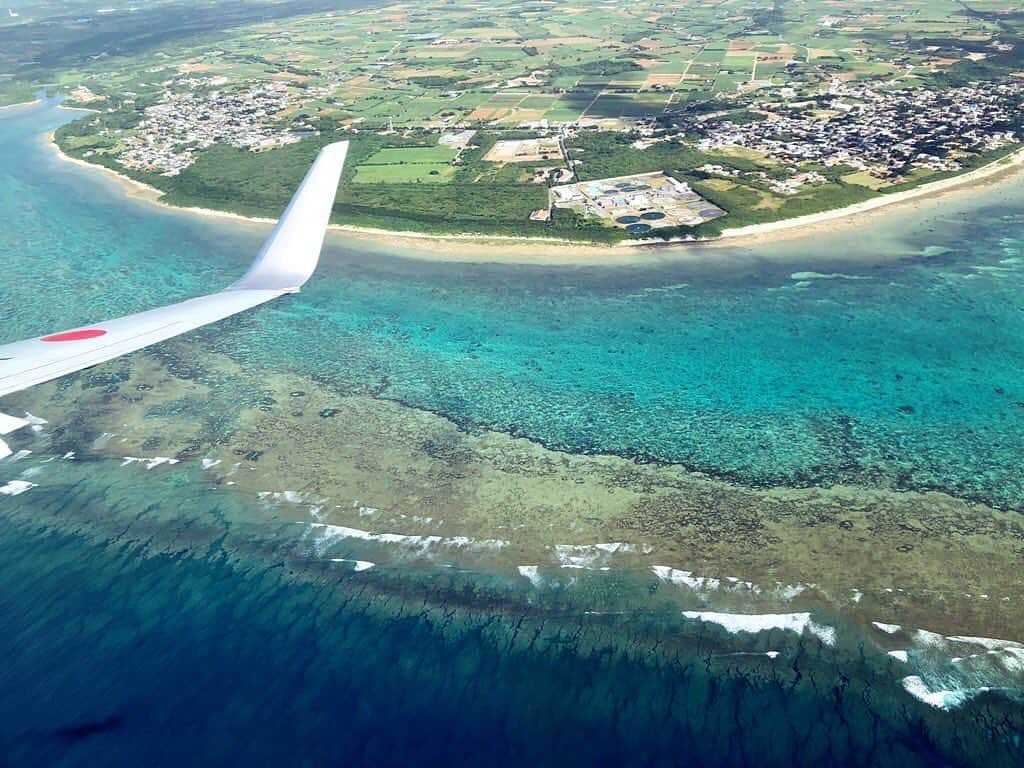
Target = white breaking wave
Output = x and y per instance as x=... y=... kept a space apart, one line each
x=686 y=578
x=992 y=643
x=329 y=534
x=697 y=583
x=889 y=629
x=16 y=487
x=763 y=622
x=156 y=461
x=36 y=422
x=531 y=573
x=789 y=591
x=955 y=669
x=944 y=700
x=588 y=555
x=825 y=276
x=357 y=565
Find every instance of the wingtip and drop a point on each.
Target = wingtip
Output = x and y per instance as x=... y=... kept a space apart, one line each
x=336 y=149
x=290 y=255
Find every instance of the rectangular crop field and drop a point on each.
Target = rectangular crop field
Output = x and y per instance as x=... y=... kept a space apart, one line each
x=411 y=156
x=412 y=173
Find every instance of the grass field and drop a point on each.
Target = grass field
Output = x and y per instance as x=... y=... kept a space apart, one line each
x=418 y=173
x=411 y=156
x=407 y=165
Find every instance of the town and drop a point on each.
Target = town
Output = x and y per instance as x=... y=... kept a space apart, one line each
x=173 y=131
x=886 y=134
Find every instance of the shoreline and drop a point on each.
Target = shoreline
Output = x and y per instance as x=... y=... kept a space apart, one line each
x=22 y=104
x=551 y=250
x=1003 y=165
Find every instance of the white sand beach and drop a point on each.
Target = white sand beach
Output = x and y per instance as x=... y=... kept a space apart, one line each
x=507 y=249
x=21 y=104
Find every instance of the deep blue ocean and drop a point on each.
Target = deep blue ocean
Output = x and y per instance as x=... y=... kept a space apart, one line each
x=144 y=622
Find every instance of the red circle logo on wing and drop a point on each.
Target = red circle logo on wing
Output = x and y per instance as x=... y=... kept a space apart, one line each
x=89 y=333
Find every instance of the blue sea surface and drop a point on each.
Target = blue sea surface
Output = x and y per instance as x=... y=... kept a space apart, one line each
x=145 y=622
x=142 y=621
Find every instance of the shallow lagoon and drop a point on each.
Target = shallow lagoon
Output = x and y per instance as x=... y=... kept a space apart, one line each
x=879 y=401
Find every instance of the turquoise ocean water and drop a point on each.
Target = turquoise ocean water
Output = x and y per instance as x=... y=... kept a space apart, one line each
x=197 y=637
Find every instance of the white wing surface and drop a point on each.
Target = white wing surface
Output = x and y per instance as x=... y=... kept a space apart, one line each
x=285 y=262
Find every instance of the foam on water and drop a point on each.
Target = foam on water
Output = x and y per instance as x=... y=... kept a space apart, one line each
x=951 y=670
x=16 y=487
x=798 y=623
x=357 y=565
x=149 y=463
x=890 y=629
x=803 y=276
x=589 y=555
x=917 y=688
x=679 y=577
x=324 y=536
x=36 y=422
x=532 y=574
x=686 y=578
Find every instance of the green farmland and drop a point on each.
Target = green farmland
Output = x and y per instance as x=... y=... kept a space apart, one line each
x=407 y=173
x=407 y=165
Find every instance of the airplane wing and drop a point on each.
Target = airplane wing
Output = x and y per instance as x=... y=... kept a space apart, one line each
x=285 y=262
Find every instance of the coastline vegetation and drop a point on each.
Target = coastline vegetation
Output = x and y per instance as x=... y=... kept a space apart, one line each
x=474 y=197
x=14 y=92
x=261 y=183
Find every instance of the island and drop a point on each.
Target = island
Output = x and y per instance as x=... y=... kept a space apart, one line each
x=647 y=121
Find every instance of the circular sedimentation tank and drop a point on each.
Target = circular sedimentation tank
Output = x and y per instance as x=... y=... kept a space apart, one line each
x=638 y=229
x=627 y=220
x=653 y=216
